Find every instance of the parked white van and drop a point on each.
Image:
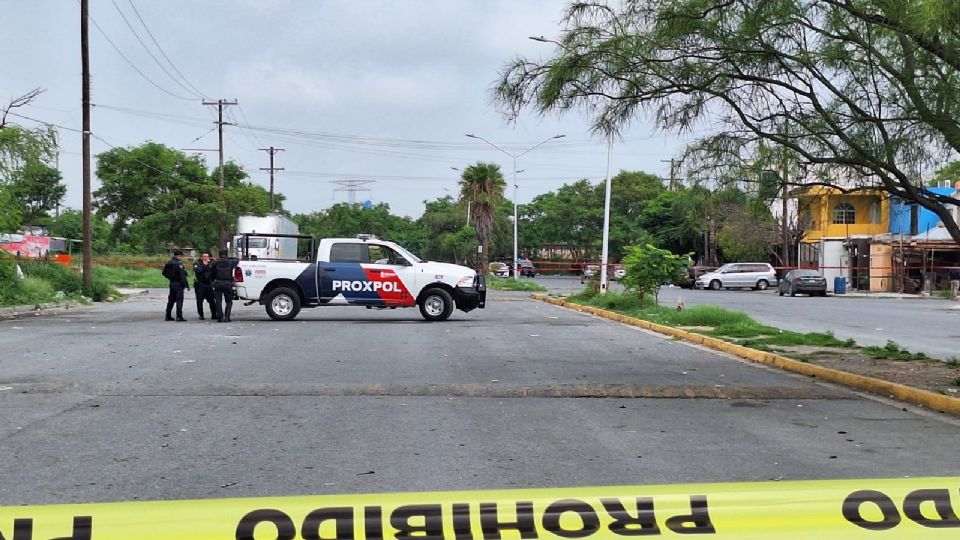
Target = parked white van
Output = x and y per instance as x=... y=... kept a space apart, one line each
x=739 y=275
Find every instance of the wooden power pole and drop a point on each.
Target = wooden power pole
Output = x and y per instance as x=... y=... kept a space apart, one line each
x=85 y=100
x=272 y=151
x=221 y=103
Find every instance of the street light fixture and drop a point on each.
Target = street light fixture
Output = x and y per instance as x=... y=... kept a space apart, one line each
x=514 y=156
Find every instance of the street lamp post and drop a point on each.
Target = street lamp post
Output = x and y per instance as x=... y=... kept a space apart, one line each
x=605 y=252
x=469 y=203
x=514 y=156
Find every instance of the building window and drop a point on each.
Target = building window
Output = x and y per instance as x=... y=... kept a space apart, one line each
x=844 y=213
x=875 y=213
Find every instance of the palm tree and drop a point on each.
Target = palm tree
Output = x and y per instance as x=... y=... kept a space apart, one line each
x=481 y=186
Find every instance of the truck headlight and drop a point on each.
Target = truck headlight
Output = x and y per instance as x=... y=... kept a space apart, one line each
x=465 y=282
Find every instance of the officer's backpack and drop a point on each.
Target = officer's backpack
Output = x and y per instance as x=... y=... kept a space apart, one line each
x=223 y=271
x=171 y=272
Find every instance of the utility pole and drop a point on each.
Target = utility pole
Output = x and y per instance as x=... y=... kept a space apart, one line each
x=85 y=97
x=272 y=151
x=673 y=174
x=220 y=103
x=786 y=236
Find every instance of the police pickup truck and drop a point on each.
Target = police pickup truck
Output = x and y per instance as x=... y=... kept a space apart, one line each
x=363 y=271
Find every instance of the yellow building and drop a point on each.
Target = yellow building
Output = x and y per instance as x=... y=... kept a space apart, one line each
x=828 y=213
x=838 y=229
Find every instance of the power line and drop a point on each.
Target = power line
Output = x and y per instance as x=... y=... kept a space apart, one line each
x=144 y=45
x=246 y=131
x=153 y=115
x=159 y=48
x=135 y=68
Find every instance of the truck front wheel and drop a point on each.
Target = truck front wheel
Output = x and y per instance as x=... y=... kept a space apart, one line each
x=436 y=305
x=282 y=304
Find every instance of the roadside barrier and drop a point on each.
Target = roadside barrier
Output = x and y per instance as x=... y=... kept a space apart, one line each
x=822 y=509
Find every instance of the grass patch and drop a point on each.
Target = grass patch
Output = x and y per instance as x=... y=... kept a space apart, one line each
x=132 y=276
x=48 y=282
x=893 y=351
x=510 y=284
x=730 y=325
x=34 y=291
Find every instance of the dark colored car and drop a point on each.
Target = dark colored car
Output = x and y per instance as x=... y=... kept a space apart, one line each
x=803 y=280
x=688 y=276
x=527 y=269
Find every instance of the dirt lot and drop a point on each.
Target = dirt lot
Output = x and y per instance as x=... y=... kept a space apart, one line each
x=933 y=375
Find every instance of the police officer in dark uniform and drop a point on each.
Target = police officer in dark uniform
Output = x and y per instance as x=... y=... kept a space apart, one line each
x=223 y=285
x=203 y=285
x=177 y=274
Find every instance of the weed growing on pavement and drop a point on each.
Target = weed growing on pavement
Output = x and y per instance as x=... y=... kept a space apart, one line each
x=893 y=351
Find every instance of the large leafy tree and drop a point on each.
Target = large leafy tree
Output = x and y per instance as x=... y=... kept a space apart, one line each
x=861 y=94
x=572 y=217
x=482 y=185
x=157 y=196
x=20 y=146
x=38 y=189
x=69 y=224
x=448 y=236
x=348 y=220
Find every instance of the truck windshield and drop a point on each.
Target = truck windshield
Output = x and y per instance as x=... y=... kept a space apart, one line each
x=407 y=254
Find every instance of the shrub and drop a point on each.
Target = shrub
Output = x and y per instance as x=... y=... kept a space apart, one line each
x=34 y=291
x=61 y=278
x=99 y=288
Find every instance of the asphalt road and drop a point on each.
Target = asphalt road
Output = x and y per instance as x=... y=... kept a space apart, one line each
x=112 y=403
x=928 y=325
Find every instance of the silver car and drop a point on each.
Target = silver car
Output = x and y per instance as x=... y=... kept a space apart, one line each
x=739 y=276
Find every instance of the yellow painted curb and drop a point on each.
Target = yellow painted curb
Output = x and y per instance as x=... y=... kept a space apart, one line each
x=931 y=400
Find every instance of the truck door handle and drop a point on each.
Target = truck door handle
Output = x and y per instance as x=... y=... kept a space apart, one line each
x=330 y=269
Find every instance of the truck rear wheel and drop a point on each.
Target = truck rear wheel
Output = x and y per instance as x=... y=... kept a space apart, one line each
x=283 y=304
x=436 y=305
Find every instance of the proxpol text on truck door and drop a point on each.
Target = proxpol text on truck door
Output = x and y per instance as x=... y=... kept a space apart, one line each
x=365 y=274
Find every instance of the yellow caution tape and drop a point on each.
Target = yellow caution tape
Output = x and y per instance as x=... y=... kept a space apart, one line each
x=919 y=508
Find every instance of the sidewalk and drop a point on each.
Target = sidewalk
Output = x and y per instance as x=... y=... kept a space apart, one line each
x=901 y=296
x=50 y=308
x=12 y=312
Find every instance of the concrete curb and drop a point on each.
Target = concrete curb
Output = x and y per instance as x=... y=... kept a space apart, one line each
x=931 y=400
x=11 y=312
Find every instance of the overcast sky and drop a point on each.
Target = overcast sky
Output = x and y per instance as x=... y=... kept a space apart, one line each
x=351 y=89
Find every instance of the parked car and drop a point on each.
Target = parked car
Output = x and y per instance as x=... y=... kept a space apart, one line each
x=802 y=280
x=527 y=269
x=589 y=271
x=688 y=276
x=739 y=275
x=618 y=273
x=499 y=269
